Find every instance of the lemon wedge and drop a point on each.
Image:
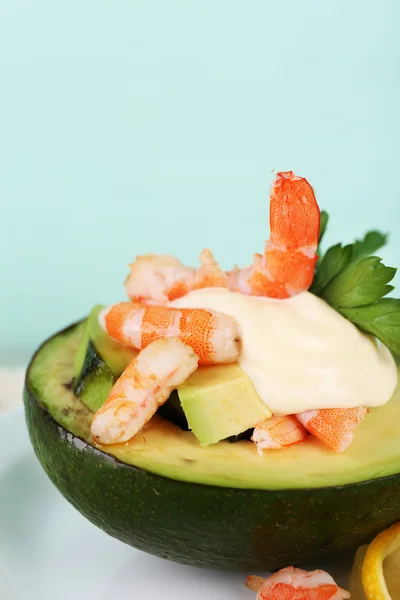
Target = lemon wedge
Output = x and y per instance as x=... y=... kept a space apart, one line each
x=376 y=569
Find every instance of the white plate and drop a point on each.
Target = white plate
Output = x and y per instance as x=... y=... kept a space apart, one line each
x=49 y=551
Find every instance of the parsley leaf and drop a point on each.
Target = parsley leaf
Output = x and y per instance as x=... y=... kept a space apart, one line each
x=372 y=241
x=382 y=319
x=322 y=228
x=323 y=224
x=338 y=257
x=335 y=259
x=363 y=281
x=354 y=283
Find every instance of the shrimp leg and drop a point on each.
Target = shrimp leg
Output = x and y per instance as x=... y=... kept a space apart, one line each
x=146 y=383
x=214 y=337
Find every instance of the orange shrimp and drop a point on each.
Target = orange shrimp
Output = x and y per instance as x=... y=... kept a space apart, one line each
x=334 y=427
x=146 y=384
x=278 y=432
x=285 y=269
x=296 y=584
x=214 y=337
x=160 y=278
x=287 y=266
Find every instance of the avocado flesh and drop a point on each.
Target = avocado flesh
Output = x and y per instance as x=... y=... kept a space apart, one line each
x=220 y=402
x=164 y=449
x=230 y=525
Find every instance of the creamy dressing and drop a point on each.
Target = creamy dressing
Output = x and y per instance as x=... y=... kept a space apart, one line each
x=301 y=354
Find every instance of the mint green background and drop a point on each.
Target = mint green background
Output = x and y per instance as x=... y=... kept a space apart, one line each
x=130 y=126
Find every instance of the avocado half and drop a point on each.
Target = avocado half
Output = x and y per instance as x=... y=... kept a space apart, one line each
x=220 y=507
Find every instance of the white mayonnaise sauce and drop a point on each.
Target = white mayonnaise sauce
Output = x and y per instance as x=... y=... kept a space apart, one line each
x=301 y=354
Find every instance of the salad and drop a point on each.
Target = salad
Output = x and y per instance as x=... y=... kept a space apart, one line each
x=245 y=419
x=291 y=321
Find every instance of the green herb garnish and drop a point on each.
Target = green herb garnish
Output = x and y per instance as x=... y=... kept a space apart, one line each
x=323 y=224
x=359 y=283
x=382 y=319
x=330 y=265
x=373 y=241
x=355 y=283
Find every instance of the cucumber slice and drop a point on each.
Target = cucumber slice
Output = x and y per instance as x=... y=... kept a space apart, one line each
x=99 y=361
x=115 y=356
x=97 y=387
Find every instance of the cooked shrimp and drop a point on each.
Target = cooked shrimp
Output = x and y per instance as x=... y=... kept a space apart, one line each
x=278 y=432
x=146 y=383
x=214 y=337
x=296 y=584
x=158 y=279
x=285 y=269
x=287 y=266
x=334 y=427
x=209 y=274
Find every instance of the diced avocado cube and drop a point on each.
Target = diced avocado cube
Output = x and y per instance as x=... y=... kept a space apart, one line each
x=220 y=401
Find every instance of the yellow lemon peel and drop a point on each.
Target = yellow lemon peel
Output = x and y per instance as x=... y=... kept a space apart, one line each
x=376 y=570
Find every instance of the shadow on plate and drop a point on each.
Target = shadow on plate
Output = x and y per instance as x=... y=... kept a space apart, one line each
x=151 y=577
x=26 y=496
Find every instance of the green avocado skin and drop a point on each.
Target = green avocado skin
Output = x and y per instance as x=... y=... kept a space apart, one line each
x=209 y=526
